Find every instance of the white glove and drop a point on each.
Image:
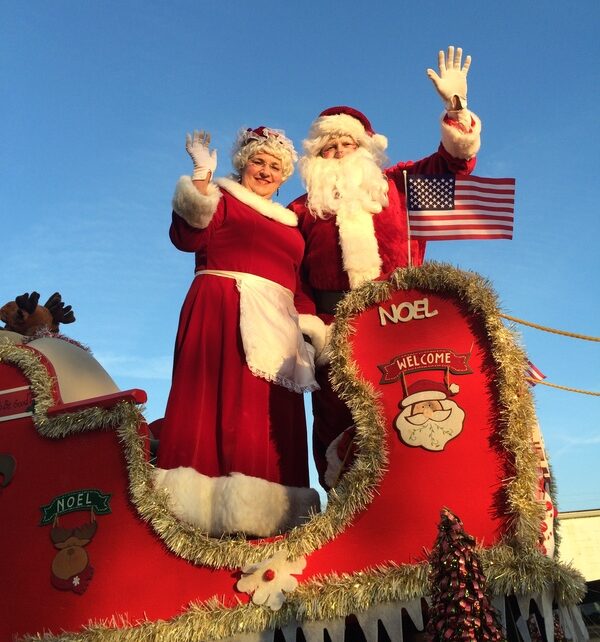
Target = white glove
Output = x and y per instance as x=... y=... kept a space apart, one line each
x=451 y=83
x=205 y=161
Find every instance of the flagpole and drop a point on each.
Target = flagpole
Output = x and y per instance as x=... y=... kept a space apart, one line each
x=407 y=217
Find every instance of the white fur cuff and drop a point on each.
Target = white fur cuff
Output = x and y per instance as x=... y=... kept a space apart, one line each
x=313 y=326
x=459 y=143
x=195 y=208
x=236 y=503
x=324 y=357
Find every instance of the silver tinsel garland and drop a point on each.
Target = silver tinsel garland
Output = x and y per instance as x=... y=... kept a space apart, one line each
x=512 y=566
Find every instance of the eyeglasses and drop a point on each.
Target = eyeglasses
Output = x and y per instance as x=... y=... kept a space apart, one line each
x=339 y=145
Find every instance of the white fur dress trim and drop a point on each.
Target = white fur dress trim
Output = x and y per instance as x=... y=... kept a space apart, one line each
x=264 y=206
x=360 y=252
x=235 y=504
x=458 y=143
x=195 y=208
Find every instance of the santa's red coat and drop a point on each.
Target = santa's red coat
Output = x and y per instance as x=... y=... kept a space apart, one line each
x=323 y=269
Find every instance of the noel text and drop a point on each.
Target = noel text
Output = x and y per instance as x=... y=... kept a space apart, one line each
x=406 y=311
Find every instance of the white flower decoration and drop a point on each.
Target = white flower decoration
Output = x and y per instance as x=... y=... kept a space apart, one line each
x=267 y=580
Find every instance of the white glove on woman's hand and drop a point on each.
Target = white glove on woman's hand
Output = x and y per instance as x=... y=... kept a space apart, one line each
x=205 y=161
x=451 y=83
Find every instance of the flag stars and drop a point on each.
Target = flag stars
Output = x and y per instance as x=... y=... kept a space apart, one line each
x=431 y=193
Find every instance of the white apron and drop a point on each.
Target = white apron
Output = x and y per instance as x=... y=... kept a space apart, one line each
x=273 y=343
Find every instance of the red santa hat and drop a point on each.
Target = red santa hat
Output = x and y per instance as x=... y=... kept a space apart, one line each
x=426 y=390
x=344 y=121
x=264 y=139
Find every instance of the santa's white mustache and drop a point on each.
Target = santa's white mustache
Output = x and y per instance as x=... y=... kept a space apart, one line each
x=437 y=415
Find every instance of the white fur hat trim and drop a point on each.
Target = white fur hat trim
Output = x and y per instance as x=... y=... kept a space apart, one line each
x=427 y=395
x=343 y=124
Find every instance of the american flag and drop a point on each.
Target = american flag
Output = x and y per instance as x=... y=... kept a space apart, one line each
x=533 y=374
x=449 y=208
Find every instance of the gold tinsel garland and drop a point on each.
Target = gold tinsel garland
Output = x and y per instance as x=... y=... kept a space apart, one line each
x=513 y=566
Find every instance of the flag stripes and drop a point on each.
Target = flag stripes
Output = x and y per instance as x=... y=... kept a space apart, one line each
x=450 y=207
x=532 y=372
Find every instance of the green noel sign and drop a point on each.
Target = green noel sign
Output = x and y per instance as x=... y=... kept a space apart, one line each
x=77 y=500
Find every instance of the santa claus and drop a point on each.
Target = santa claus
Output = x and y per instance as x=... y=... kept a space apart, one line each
x=429 y=419
x=354 y=219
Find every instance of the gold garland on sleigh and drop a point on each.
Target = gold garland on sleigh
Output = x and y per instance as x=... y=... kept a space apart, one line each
x=513 y=566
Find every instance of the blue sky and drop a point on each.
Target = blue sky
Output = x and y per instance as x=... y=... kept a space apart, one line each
x=97 y=98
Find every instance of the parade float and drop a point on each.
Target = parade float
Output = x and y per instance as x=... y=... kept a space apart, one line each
x=442 y=506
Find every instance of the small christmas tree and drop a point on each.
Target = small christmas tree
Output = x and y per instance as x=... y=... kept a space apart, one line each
x=460 y=608
x=559 y=634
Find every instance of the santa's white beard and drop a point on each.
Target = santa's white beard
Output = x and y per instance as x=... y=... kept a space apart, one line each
x=352 y=183
x=431 y=433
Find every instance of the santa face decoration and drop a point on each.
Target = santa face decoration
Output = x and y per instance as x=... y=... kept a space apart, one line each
x=430 y=424
x=428 y=418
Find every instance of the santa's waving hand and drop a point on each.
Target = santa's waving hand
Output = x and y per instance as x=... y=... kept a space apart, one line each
x=451 y=82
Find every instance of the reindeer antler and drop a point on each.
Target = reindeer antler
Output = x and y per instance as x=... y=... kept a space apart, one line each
x=87 y=531
x=28 y=302
x=60 y=312
x=58 y=534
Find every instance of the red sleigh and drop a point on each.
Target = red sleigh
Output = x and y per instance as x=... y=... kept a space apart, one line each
x=78 y=477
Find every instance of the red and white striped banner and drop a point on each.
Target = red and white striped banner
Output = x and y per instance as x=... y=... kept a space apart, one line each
x=534 y=373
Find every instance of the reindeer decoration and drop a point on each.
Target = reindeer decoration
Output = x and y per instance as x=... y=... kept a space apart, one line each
x=71 y=570
x=25 y=316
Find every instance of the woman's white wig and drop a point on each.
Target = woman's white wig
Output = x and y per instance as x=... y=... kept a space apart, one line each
x=266 y=140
